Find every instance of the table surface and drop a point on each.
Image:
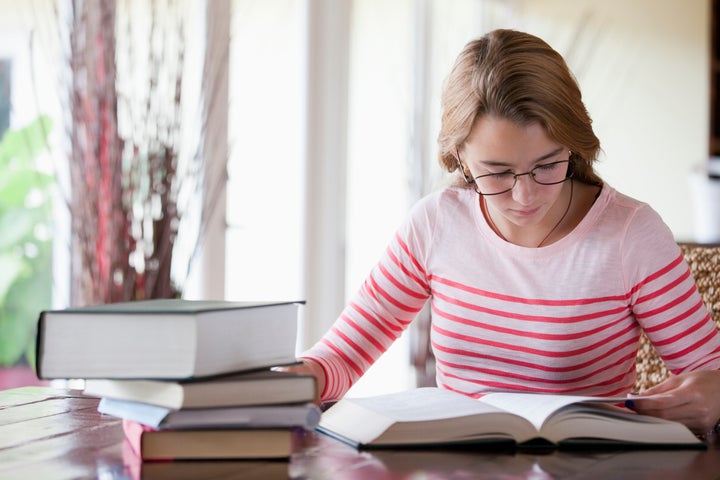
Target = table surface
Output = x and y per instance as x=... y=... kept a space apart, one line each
x=53 y=434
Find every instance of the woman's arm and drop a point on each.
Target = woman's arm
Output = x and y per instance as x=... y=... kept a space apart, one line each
x=669 y=308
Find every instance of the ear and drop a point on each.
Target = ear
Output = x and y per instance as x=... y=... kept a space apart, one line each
x=571 y=166
x=466 y=174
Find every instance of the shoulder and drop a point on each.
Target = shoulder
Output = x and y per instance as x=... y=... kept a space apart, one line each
x=645 y=239
x=621 y=201
x=632 y=216
x=641 y=217
x=447 y=196
x=449 y=209
x=447 y=199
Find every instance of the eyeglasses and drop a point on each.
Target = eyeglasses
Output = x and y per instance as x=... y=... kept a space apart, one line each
x=497 y=183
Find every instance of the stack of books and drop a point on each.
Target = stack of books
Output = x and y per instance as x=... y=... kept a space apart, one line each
x=191 y=379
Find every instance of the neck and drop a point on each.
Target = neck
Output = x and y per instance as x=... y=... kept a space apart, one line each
x=536 y=238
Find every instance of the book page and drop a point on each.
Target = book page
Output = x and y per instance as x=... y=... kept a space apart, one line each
x=604 y=421
x=421 y=416
x=424 y=404
x=538 y=407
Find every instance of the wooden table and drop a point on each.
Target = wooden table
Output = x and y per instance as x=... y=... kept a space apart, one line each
x=53 y=434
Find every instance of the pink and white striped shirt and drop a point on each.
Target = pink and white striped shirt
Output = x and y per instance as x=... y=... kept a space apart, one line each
x=564 y=318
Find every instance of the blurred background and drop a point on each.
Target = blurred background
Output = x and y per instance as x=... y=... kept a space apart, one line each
x=268 y=149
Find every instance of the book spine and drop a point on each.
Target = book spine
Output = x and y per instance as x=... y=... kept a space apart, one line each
x=39 y=338
x=134 y=435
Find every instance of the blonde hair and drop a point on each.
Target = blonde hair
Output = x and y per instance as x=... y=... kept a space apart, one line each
x=518 y=77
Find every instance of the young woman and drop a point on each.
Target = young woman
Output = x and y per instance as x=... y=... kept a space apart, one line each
x=540 y=275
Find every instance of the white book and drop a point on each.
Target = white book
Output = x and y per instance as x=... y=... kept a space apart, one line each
x=243 y=389
x=304 y=415
x=165 y=339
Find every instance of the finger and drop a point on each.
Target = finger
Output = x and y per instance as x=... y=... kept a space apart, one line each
x=663 y=387
x=686 y=416
x=655 y=404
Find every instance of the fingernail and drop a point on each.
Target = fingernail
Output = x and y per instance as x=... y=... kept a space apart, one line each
x=629 y=403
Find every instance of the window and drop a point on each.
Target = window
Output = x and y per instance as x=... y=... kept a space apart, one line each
x=397 y=58
x=5 y=91
x=265 y=177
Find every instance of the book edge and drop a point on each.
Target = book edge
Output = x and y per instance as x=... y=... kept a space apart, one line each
x=185 y=307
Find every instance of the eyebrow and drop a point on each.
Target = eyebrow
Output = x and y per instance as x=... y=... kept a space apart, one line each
x=493 y=163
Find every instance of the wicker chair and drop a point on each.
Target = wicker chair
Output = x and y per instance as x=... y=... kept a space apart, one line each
x=704 y=264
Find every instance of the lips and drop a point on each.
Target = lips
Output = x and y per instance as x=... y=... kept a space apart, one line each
x=526 y=213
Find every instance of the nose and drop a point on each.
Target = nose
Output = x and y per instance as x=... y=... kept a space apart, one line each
x=524 y=189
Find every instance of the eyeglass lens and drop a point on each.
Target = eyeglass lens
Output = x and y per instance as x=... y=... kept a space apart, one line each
x=548 y=174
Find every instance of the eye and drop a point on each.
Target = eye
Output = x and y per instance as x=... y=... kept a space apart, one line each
x=501 y=175
x=546 y=167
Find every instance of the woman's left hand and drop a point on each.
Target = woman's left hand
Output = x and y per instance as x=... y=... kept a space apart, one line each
x=691 y=398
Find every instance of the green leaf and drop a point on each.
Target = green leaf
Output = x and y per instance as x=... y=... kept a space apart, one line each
x=16 y=184
x=12 y=267
x=17 y=227
x=13 y=340
x=26 y=143
x=30 y=295
x=13 y=336
x=25 y=283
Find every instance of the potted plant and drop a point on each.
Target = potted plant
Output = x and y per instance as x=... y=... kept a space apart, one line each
x=25 y=242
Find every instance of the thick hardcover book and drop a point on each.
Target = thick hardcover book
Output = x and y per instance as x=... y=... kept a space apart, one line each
x=135 y=468
x=303 y=415
x=264 y=387
x=434 y=416
x=165 y=339
x=205 y=444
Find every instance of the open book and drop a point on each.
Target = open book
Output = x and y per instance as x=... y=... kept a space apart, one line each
x=434 y=416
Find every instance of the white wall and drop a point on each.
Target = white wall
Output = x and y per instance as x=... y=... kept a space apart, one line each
x=25 y=33
x=643 y=66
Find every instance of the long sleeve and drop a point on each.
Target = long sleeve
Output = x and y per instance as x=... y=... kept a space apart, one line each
x=664 y=298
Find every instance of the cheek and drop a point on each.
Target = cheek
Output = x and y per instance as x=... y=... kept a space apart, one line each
x=556 y=191
x=550 y=193
x=545 y=194
x=499 y=202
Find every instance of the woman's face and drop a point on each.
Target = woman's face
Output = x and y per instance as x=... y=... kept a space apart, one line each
x=496 y=145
